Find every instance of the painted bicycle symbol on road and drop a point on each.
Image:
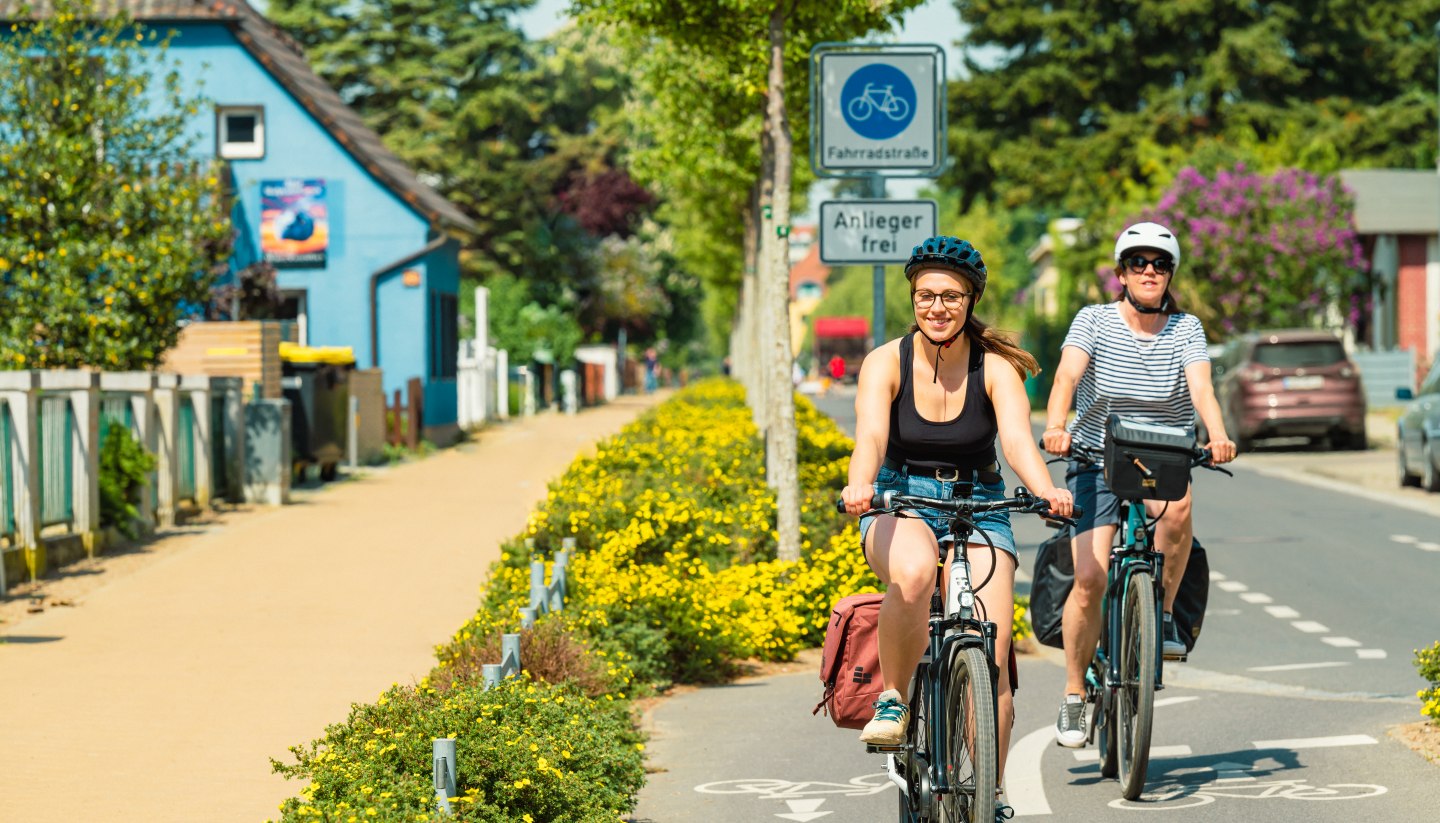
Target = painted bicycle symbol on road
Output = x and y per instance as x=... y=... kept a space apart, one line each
x=774 y=789
x=1181 y=796
x=880 y=99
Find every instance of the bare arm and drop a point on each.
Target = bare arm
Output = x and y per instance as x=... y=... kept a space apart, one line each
x=877 y=384
x=1202 y=394
x=1012 y=416
x=1073 y=362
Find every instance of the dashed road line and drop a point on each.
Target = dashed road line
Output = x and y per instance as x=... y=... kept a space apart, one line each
x=1256 y=597
x=1295 y=667
x=1232 y=586
x=1316 y=742
x=1282 y=612
x=1340 y=642
x=1404 y=538
x=1310 y=626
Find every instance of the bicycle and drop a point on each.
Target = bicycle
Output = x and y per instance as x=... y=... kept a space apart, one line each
x=1128 y=666
x=881 y=99
x=946 y=768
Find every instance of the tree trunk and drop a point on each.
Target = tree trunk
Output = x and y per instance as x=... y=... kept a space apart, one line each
x=781 y=459
x=747 y=355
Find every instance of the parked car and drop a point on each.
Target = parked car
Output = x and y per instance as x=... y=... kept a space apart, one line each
x=1288 y=383
x=1418 y=434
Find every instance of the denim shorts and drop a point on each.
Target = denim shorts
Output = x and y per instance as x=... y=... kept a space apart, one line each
x=1093 y=495
x=995 y=524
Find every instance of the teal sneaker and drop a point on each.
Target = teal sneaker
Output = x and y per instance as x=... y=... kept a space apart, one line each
x=887 y=728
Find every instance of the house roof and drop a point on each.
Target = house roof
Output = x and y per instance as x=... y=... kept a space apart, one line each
x=283 y=57
x=1394 y=201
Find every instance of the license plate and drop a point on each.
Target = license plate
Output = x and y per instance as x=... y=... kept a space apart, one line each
x=1309 y=381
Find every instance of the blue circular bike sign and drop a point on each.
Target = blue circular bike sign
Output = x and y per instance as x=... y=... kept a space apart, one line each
x=878 y=101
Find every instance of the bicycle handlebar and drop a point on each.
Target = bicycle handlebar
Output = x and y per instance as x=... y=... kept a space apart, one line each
x=1023 y=502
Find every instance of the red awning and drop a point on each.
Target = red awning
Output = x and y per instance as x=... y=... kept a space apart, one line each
x=841 y=327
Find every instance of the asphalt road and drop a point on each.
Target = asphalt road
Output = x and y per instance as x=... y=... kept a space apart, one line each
x=1318 y=598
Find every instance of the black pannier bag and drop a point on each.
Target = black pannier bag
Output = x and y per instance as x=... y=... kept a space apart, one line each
x=1050 y=586
x=1164 y=452
x=1192 y=596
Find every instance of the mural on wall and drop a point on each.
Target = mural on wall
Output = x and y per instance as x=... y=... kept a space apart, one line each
x=294 y=223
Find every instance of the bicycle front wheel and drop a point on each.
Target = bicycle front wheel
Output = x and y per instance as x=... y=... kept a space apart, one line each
x=971 y=746
x=1135 y=700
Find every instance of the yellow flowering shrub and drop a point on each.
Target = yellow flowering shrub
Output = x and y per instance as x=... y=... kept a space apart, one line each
x=1427 y=662
x=675 y=543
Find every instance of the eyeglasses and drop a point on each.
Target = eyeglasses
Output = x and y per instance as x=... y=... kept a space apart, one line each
x=950 y=299
x=1137 y=264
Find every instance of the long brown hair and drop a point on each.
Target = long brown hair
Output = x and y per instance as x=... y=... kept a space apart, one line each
x=995 y=341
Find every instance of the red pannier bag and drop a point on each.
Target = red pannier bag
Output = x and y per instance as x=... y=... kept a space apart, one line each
x=850 y=663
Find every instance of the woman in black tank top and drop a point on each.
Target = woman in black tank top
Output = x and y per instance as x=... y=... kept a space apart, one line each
x=930 y=408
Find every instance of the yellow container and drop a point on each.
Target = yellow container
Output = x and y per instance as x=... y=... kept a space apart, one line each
x=332 y=355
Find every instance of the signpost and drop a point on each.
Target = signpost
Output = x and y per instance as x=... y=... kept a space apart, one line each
x=877 y=232
x=876 y=112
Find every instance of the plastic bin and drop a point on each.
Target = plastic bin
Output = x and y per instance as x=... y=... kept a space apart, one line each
x=316 y=381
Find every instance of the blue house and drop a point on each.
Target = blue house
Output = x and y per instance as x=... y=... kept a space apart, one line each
x=367 y=254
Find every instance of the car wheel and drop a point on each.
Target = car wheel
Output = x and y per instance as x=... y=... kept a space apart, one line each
x=1357 y=441
x=1403 y=468
x=1429 y=477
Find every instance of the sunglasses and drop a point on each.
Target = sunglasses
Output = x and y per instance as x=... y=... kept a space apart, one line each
x=1137 y=263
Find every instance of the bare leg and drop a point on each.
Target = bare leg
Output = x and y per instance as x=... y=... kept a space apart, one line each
x=1172 y=539
x=903 y=552
x=1080 y=623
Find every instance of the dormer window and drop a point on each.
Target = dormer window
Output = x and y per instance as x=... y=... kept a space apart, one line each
x=240 y=132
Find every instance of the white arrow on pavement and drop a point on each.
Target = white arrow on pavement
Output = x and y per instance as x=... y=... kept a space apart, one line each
x=803 y=810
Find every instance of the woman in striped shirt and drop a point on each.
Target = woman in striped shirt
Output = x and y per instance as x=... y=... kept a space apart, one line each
x=1141 y=357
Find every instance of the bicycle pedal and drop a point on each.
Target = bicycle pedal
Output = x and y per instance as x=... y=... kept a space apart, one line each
x=872 y=748
x=1176 y=658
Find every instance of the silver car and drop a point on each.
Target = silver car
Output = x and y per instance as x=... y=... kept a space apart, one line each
x=1418 y=437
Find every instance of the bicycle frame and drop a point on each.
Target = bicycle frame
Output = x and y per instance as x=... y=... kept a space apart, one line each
x=951 y=626
x=1132 y=552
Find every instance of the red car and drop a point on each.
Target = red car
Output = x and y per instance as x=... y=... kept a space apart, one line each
x=1287 y=383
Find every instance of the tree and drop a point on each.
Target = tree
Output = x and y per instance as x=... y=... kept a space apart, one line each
x=1260 y=250
x=762 y=43
x=1079 y=87
x=109 y=232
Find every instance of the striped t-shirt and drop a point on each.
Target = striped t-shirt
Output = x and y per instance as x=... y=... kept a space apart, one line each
x=1139 y=377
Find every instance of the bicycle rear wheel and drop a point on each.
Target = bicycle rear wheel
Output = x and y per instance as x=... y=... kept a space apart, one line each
x=1135 y=700
x=971 y=748
x=912 y=764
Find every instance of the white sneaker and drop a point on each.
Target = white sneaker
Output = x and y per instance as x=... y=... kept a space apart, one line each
x=887 y=728
x=1070 y=726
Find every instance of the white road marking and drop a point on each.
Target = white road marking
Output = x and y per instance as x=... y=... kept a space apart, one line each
x=1316 y=742
x=1370 y=654
x=1340 y=642
x=1293 y=667
x=1282 y=612
x=1024 y=783
x=1404 y=538
x=1256 y=597
x=1232 y=586
x=1093 y=755
x=804 y=810
x=1170 y=701
x=1216 y=576
x=1429 y=547
x=1310 y=627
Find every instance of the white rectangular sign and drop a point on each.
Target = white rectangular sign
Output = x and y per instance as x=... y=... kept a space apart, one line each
x=879 y=110
x=878 y=232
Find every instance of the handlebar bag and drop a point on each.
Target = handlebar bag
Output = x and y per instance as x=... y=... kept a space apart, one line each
x=850 y=662
x=1164 y=452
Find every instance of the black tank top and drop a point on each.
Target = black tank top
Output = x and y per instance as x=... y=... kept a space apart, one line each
x=966 y=442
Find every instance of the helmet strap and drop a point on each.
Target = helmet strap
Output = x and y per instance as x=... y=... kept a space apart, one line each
x=1161 y=309
x=941 y=344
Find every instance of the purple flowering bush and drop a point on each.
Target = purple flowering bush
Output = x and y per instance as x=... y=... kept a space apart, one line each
x=1263 y=250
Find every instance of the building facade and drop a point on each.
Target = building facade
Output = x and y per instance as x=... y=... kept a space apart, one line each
x=367 y=256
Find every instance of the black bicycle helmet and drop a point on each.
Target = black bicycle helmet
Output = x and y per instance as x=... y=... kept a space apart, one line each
x=953 y=254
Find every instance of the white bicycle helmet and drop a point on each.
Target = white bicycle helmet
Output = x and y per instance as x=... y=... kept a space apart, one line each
x=1148 y=236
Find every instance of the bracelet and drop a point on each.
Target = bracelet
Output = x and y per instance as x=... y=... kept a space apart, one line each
x=1054 y=428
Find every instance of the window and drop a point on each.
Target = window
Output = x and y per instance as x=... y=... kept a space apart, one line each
x=240 y=132
x=1432 y=382
x=444 y=334
x=1299 y=355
